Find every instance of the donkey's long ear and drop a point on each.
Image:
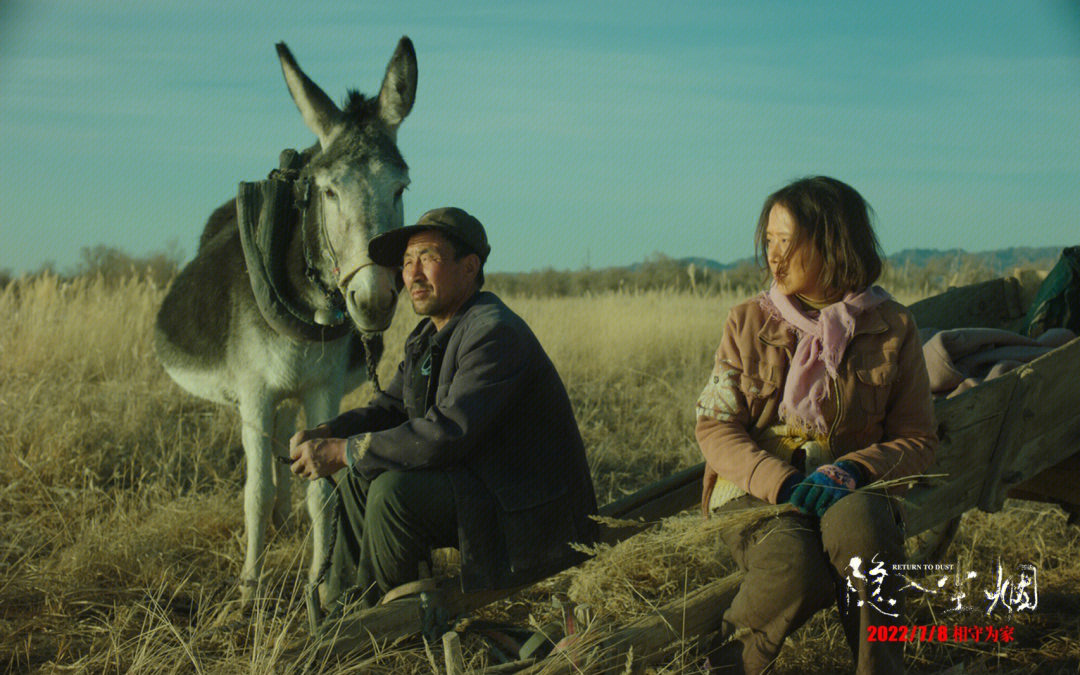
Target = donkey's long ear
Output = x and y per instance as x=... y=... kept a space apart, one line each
x=399 y=86
x=320 y=113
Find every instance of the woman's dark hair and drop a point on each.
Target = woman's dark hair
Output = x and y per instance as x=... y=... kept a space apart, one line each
x=835 y=219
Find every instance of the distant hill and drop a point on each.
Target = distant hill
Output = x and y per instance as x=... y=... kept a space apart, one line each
x=999 y=261
x=699 y=261
x=920 y=271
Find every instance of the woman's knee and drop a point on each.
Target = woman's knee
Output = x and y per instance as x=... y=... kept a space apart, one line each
x=791 y=562
x=863 y=524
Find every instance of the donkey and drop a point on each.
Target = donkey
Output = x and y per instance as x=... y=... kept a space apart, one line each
x=212 y=337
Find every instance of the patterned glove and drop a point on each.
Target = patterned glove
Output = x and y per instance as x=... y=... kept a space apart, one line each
x=825 y=487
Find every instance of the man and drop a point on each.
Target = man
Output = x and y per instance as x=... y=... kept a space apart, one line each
x=473 y=444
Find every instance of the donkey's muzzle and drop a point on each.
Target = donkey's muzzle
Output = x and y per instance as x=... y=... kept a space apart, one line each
x=371 y=298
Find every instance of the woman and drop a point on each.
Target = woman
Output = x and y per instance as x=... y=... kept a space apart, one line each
x=819 y=388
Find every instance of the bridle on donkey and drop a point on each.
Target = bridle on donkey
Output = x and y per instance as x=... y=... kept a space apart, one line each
x=335 y=316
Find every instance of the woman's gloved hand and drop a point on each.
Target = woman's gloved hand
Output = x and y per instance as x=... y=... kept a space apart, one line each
x=823 y=488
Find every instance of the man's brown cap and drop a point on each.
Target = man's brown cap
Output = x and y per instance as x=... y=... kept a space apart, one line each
x=388 y=248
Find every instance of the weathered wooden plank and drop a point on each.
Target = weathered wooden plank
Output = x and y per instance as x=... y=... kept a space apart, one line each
x=1042 y=427
x=997 y=303
x=1059 y=483
x=697 y=613
x=511 y=667
x=452 y=656
x=664 y=498
x=375 y=628
x=968 y=426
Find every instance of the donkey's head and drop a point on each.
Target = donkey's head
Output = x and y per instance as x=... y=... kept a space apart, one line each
x=357 y=180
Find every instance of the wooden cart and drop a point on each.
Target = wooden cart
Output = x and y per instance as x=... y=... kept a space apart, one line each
x=1015 y=436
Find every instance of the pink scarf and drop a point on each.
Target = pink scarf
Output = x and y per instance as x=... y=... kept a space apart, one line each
x=821 y=346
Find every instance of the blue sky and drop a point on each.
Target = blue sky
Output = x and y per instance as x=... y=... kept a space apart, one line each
x=579 y=133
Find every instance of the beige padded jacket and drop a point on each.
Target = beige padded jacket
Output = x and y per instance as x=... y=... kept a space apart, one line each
x=880 y=411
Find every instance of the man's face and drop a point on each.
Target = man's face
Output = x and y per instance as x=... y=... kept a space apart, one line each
x=798 y=272
x=437 y=284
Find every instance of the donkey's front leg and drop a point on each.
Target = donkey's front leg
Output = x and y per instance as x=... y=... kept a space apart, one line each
x=259 y=491
x=320 y=406
x=284 y=426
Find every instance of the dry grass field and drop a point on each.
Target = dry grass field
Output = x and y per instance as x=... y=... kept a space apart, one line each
x=121 y=533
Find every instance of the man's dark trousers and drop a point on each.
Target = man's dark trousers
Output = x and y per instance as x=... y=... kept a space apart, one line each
x=385 y=528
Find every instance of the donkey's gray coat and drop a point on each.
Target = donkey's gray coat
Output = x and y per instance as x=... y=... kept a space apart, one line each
x=211 y=337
